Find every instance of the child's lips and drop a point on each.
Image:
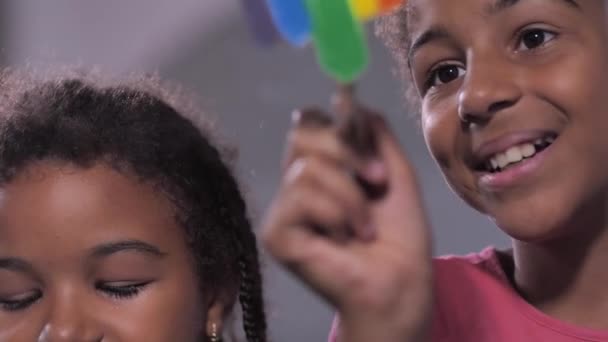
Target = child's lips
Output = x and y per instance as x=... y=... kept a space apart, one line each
x=513 y=175
x=486 y=149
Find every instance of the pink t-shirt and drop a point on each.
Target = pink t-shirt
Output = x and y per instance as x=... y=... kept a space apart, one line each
x=475 y=302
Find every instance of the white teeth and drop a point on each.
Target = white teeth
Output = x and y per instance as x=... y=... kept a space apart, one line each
x=514 y=154
x=502 y=160
x=517 y=153
x=527 y=150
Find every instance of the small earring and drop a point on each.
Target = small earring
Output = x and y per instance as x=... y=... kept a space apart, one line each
x=214 y=337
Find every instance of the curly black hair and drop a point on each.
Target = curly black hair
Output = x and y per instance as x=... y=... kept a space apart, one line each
x=392 y=29
x=137 y=126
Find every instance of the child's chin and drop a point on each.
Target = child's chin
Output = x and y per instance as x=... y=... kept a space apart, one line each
x=534 y=224
x=543 y=211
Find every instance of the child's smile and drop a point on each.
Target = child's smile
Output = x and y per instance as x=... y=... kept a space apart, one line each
x=511 y=151
x=506 y=161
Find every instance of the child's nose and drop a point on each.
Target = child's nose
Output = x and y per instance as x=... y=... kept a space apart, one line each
x=69 y=320
x=488 y=88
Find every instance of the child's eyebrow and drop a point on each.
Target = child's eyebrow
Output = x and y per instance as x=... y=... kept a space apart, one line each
x=500 y=5
x=439 y=32
x=125 y=246
x=17 y=265
x=432 y=34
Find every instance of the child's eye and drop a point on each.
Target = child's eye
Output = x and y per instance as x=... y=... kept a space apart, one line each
x=534 y=38
x=20 y=302
x=443 y=74
x=121 y=290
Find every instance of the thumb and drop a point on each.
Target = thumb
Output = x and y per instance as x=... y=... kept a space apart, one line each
x=400 y=214
x=390 y=151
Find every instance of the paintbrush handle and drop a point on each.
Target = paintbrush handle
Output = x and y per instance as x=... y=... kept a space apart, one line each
x=354 y=122
x=355 y=127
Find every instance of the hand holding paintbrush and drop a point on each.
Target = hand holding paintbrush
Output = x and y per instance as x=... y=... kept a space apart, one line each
x=367 y=255
x=348 y=220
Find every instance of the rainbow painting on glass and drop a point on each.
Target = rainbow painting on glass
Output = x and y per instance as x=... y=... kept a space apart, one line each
x=334 y=27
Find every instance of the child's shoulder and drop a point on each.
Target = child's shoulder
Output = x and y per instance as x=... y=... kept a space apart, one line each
x=488 y=262
x=469 y=289
x=475 y=280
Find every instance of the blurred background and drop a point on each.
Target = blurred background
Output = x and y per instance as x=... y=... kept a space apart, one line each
x=205 y=45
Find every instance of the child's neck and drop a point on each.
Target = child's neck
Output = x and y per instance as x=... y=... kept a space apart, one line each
x=567 y=278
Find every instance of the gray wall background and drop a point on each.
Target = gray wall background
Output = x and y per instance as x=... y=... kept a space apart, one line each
x=250 y=91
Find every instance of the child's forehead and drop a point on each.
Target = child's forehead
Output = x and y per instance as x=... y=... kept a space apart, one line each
x=437 y=12
x=416 y=8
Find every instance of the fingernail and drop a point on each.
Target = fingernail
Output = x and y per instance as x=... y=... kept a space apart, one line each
x=368 y=233
x=296 y=116
x=310 y=117
x=375 y=171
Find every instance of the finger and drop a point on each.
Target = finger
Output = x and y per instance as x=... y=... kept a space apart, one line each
x=306 y=206
x=311 y=117
x=390 y=151
x=327 y=178
x=312 y=135
x=315 y=260
x=401 y=216
x=303 y=142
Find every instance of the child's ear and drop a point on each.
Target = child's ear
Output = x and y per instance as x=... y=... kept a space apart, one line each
x=215 y=319
x=218 y=310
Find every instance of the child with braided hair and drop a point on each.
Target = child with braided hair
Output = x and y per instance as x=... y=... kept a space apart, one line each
x=120 y=220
